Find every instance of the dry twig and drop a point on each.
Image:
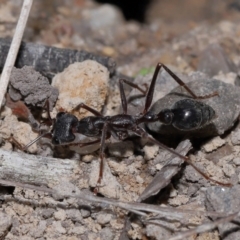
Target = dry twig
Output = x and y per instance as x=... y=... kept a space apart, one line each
x=12 y=54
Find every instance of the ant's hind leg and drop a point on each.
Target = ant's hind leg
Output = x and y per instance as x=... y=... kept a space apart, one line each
x=143 y=134
x=86 y=107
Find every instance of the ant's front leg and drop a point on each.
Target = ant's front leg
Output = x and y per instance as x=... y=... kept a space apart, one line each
x=24 y=148
x=182 y=84
x=150 y=93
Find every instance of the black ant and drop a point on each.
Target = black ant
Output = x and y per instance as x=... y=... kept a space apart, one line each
x=185 y=115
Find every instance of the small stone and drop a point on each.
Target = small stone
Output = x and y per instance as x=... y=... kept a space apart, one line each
x=21 y=209
x=239 y=178
x=179 y=200
x=150 y=151
x=5 y=224
x=121 y=149
x=236 y=161
x=104 y=17
x=82 y=82
x=139 y=179
x=108 y=51
x=57 y=226
x=32 y=87
x=74 y=215
x=104 y=218
x=213 y=144
x=208 y=65
x=60 y=215
x=46 y=213
x=38 y=231
x=85 y=213
x=223 y=199
x=173 y=192
x=107 y=233
x=77 y=230
x=235 y=137
x=87 y=158
x=228 y=169
x=157 y=232
x=67 y=224
x=227 y=77
x=159 y=166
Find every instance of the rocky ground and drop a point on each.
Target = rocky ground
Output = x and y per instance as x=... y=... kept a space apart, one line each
x=199 y=42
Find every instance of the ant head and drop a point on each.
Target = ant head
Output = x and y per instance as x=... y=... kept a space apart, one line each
x=166 y=116
x=64 y=128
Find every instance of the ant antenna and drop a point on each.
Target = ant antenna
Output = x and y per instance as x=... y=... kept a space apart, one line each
x=36 y=139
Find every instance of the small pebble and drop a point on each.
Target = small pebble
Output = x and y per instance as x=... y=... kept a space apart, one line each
x=82 y=82
x=213 y=144
x=236 y=161
x=121 y=149
x=104 y=218
x=228 y=169
x=235 y=137
x=85 y=213
x=60 y=215
x=150 y=151
x=5 y=223
x=178 y=200
x=74 y=215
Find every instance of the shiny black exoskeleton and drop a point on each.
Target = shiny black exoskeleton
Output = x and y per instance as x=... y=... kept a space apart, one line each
x=187 y=114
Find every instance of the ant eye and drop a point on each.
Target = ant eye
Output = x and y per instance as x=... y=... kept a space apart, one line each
x=168 y=117
x=165 y=116
x=55 y=141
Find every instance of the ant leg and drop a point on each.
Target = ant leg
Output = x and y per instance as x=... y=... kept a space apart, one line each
x=151 y=88
x=46 y=106
x=102 y=155
x=122 y=93
x=85 y=144
x=143 y=134
x=12 y=140
x=182 y=84
x=24 y=148
x=150 y=93
x=86 y=107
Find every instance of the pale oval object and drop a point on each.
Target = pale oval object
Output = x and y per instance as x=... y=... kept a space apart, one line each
x=82 y=82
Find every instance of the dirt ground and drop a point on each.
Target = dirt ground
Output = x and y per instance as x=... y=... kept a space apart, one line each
x=146 y=192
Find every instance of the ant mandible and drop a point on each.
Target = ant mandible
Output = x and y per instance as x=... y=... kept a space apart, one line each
x=186 y=114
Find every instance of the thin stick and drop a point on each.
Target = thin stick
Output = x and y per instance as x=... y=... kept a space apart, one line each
x=12 y=54
x=205 y=227
x=139 y=208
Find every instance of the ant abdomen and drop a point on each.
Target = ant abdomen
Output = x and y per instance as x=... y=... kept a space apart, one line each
x=189 y=114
